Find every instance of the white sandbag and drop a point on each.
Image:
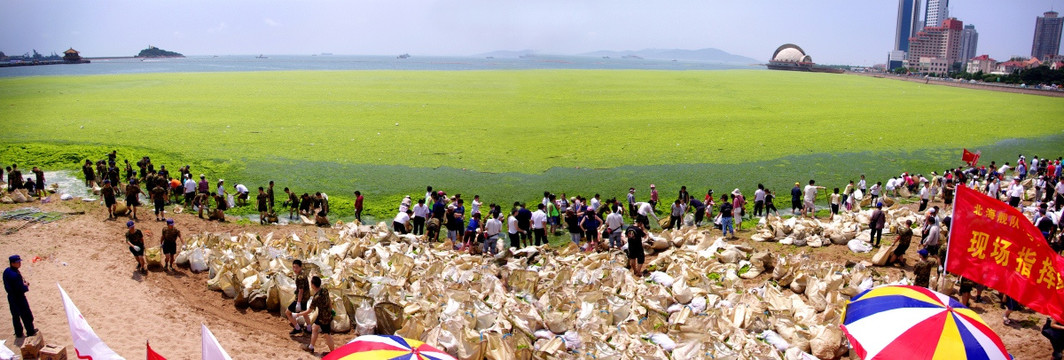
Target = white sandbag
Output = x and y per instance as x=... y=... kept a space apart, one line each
x=858 y=246
x=197 y=260
x=340 y=322
x=5 y=352
x=572 y=340
x=182 y=258
x=775 y=339
x=365 y=320
x=663 y=340
x=66 y=197
x=662 y=278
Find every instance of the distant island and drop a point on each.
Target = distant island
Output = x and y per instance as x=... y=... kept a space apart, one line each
x=154 y=52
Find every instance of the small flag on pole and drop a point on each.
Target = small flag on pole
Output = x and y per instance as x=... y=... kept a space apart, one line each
x=212 y=350
x=152 y=355
x=86 y=344
x=970 y=158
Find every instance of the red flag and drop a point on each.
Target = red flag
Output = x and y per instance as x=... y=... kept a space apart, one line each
x=970 y=157
x=993 y=244
x=152 y=355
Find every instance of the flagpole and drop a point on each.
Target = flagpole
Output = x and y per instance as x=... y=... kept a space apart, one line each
x=949 y=236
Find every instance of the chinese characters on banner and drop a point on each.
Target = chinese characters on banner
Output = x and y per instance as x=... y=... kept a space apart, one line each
x=993 y=244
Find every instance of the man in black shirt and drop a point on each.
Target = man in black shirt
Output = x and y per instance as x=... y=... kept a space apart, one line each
x=636 y=257
x=524 y=222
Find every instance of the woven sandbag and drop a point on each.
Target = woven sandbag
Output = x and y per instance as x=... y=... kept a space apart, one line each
x=389 y=318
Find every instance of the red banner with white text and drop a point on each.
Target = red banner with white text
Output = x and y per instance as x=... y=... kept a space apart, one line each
x=993 y=244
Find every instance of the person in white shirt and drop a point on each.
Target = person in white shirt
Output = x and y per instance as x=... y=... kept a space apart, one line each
x=539 y=223
x=1015 y=193
x=1039 y=187
x=476 y=204
x=421 y=212
x=492 y=228
x=400 y=221
x=1004 y=168
x=861 y=184
x=513 y=230
x=404 y=205
x=190 y=190
x=221 y=189
x=759 y=200
x=595 y=202
x=810 y=198
x=428 y=195
x=925 y=196
x=874 y=190
x=892 y=186
x=241 y=194
x=615 y=226
x=1060 y=192
x=643 y=213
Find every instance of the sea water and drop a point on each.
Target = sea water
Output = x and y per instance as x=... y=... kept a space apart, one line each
x=338 y=62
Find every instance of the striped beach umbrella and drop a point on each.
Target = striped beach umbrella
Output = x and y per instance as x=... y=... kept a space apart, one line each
x=912 y=322
x=388 y=347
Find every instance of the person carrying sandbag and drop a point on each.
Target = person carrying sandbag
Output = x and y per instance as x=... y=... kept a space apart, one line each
x=299 y=305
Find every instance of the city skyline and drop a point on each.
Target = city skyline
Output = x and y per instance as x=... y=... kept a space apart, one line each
x=461 y=28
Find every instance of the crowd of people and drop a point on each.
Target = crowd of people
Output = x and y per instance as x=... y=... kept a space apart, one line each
x=593 y=224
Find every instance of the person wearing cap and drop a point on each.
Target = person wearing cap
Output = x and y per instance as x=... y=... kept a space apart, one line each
x=738 y=208
x=630 y=197
x=108 y=193
x=132 y=197
x=16 y=287
x=170 y=236
x=158 y=197
x=876 y=222
x=135 y=240
x=922 y=269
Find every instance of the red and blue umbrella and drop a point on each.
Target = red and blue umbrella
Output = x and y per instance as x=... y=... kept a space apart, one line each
x=387 y=347
x=912 y=322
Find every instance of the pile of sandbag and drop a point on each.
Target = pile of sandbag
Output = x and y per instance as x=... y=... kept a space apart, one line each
x=704 y=298
x=801 y=231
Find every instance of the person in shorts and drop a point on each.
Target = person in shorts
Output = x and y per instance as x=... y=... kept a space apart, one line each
x=299 y=305
x=132 y=199
x=1010 y=306
x=170 y=236
x=263 y=201
x=636 y=257
x=109 y=201
x=158 y=197
x=135 y=240
x=323 y=324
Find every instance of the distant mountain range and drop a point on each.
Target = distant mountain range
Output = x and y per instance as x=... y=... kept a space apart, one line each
x=707 y=55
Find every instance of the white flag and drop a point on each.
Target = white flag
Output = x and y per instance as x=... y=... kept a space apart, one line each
x=212 y=350
x=86 y=344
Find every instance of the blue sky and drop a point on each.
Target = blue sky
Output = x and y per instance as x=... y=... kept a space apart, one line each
x=831 y=31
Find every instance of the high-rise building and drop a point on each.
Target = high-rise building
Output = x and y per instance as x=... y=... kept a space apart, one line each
x=936 y=12
x=936 y=45
x=1047 y=35
x=908 y=16
x=969 y=42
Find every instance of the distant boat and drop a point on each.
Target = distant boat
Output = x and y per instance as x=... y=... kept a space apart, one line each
x=261 y=57
x=637 y=57
x=605 y=57
x=326 y=54
x=490 y=57
x=403 y=56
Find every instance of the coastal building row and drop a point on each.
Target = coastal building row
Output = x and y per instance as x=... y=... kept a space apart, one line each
x=940 y=44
